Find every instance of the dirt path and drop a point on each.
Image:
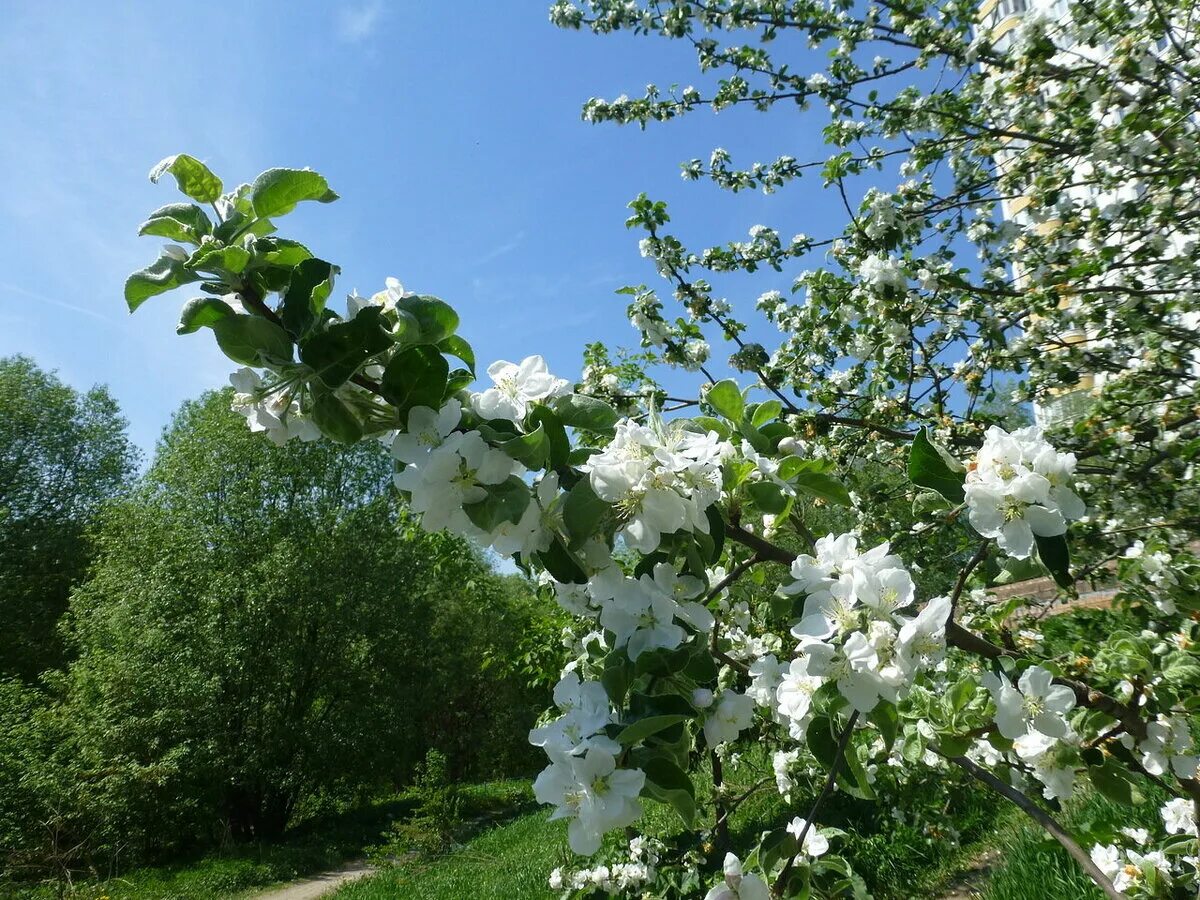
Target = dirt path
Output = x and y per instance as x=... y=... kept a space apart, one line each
x=319 y=885
x=966 y=885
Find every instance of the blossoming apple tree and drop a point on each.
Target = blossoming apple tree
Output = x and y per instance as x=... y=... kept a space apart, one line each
x=654 y=521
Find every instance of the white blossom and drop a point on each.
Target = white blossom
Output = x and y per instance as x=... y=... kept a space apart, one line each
x=592 y=794
x=517 y=385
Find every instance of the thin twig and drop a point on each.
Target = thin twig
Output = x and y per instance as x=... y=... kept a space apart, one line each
x=980 y=556
x=843 y=741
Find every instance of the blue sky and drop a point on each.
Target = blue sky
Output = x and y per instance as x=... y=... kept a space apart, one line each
x=452 y=133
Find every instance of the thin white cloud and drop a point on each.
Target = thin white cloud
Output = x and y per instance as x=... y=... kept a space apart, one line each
x=356 y=23
x=511 y=245
x=42 y=298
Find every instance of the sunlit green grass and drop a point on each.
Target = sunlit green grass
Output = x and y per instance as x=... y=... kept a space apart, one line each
x=1031 y=860
x=512 y=861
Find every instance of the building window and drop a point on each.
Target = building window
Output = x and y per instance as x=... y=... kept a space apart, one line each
x=1006 y=8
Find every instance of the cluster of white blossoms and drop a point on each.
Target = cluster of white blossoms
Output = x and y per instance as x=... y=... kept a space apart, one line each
x=630 y=874
x=275 y=412
x=1020 y=486
x=1179 y=816
x=446 y=470
x=649 y=612
x=1033 y=716
x=815 y=844
x=660 y=479
x=1128 y=869
x=585 y=712
x=1167 y=747
x=882 y=273
x=850 y=632
x=1154 y=566
x=658 y=609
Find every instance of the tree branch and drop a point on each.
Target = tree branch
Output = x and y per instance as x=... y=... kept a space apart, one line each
x=1044 y=819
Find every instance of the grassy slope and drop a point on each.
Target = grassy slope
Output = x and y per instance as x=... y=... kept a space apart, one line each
x=514 y=860
x=316 y=845
x=505 y=863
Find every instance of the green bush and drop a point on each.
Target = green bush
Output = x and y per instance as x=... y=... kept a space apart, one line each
x=436 y=821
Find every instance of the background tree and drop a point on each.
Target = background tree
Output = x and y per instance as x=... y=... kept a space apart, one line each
x=62 y=453
x=265 y=627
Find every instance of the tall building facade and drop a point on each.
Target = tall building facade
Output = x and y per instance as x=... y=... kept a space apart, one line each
x=1000 y=19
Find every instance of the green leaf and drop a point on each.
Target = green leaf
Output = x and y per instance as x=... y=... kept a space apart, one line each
x=560 y=445
x=308 y=290
x=336 y=353
x=766 y=412
x=661 y=661
x=184 y=222
x=1181 y=668
x=1113 y=782
x=456 y=381
x=616 y=676
x=1056 y=557
x=821 y=742
x=824 y=486
x=644 y=728
x=701 y=667
x=716 y=530
x=240 y=224
x=212 y=257
x=505 y=502
x=962 y=692
x=668 y=783
x=584 y=412
x=856 y=782
x=582 y=512
x=759 y=441
x=530 y=450
x=1015 y=570
x=913 y=748
x=277 y=191
x=252 y=340
x=201 y=311
x=436 y=319
x=562 y=564
x=953 y=744
x=458 y=348
x=416 y=376
x=281 y=252
x=792 y=466
x=776 y=846
x=928 y=467
x=193 y=177
x=711 y=423
x=335 y=419
x=767 y=496
x=886 y=718
x=164 y=274
x=726 y=399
